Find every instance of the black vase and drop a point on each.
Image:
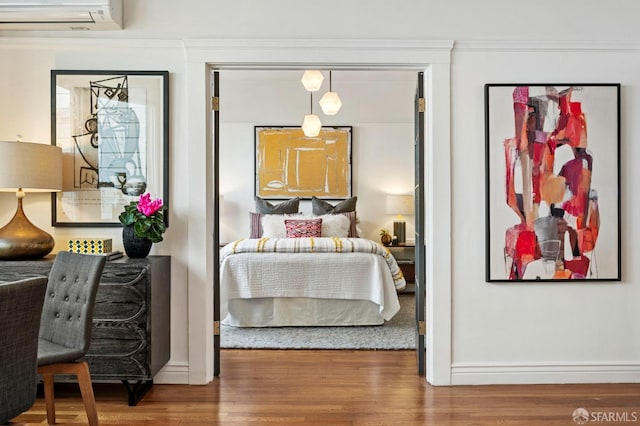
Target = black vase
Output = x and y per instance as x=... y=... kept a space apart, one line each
x=135 y=246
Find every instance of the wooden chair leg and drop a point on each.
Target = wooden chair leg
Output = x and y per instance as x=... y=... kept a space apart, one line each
x=49 y=398
x=86 y=389
x=81 y=371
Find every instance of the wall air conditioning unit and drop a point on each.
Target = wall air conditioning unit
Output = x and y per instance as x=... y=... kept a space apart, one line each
x=45 y=15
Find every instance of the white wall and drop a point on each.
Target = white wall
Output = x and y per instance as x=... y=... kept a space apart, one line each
x=25 y=109
x=539 y=332
x=500 y=332
x=548 y=20
x=377 y=104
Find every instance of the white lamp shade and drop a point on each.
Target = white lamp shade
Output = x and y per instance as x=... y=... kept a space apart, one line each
x=34 y=167
x=312 y=80
x=330 y=103
x=311 y=125
x=400 y=205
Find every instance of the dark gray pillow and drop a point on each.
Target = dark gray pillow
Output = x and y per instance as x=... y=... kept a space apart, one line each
x=285 y=207
x=319 y=207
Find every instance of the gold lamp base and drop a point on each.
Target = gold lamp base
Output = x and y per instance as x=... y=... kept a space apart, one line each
x=21 y=239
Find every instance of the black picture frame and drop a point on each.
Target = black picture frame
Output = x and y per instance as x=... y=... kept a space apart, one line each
x=113 y=128
x=280 y=181
x=552 y=160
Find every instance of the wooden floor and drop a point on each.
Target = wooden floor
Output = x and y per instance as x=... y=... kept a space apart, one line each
x=277 y=387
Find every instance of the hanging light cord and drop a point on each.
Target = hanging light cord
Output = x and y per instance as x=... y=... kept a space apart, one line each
x=329 y=80
x=311 y=102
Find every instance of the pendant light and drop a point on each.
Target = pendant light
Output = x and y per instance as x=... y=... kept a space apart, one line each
x=311 y=124
x=312 y=80
x=330 y=102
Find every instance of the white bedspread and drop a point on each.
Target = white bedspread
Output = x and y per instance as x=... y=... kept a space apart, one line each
x=326 y=275
x=316 y=245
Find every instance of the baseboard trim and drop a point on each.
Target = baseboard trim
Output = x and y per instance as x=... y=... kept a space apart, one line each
x=174 y=373
x=544 y=373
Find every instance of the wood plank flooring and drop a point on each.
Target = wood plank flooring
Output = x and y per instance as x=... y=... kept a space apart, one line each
x=340 y=387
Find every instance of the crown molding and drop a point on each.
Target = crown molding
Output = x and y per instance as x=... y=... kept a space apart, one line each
x=434 y=48
x=67 y=43
x=546 y=46
x=337 y=53
x=318 y=43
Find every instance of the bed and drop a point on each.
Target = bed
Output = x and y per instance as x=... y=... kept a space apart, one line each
x=315 y=281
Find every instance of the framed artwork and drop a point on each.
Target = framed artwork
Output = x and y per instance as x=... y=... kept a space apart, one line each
x=552 y=182
x=113 y=128
x=289 y=164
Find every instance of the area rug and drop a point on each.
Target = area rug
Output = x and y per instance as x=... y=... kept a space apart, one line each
x=396 y=334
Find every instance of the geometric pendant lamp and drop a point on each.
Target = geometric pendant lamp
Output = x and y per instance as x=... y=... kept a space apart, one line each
x=311 y=124
x=330 y=102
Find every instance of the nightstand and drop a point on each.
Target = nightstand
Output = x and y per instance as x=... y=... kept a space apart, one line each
x=405 y=255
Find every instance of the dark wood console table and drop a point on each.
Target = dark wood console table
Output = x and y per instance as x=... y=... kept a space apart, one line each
x=131 y=325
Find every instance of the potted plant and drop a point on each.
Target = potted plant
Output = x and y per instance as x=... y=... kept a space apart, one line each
x=143 y=222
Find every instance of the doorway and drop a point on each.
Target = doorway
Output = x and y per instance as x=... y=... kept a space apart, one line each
x=434 y=58
x=378 y=108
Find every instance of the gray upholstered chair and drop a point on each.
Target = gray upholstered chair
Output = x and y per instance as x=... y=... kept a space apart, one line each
x=20 y=309
x=65 y=327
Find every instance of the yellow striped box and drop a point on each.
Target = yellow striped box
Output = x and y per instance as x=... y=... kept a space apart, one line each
x=90 y=245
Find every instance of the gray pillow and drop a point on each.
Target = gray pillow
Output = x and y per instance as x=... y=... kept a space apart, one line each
x=285 y=207
x=320 y=207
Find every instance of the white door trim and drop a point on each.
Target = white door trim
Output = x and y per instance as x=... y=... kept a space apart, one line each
x=432 y=57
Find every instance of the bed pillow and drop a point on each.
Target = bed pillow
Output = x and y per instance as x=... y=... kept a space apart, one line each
x=320 y=207
x=335 y=225
x=303 y=228
x=289 y=206
x=354 y=232
x=273 y=226
x=255 y=225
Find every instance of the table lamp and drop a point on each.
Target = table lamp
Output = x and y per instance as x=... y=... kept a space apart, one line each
x=399 y=205
x=27 y=167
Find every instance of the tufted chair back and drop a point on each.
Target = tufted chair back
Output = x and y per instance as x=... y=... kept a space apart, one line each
x=65 y=327
x=69 y=302
x=20 y=308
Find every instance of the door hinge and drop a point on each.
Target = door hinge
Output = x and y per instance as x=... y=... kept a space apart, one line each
x=216 y=328
x=422 y=328
x=421 y=105
x=215 y=103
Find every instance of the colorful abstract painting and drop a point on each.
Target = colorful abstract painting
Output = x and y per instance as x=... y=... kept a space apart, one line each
x=290 y=164
x=553 y=182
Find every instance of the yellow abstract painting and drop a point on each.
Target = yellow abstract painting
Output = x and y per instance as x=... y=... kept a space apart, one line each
x=289 y=164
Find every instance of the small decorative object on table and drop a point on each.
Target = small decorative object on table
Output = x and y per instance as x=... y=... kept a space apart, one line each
x=143 y=225
x=90 y=245
x=98 y=246
x=385 y=237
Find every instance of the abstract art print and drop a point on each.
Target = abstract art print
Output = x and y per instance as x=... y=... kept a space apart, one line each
x=290 y=164
x=112 y=127
x=552 y=182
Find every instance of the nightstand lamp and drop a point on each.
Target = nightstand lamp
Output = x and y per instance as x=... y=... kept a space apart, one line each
x=27 y=167
x=400 y=205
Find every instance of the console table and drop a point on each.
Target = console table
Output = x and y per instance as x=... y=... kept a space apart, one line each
x=130 y=339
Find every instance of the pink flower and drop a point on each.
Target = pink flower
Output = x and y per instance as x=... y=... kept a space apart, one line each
x=147 y=207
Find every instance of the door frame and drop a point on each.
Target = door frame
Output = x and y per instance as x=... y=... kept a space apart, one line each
x=418 y=195
x=431 y=57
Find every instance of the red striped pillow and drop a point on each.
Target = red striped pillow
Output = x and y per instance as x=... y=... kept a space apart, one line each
x=353 y=223
x=255 y=228
x=297 y=228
